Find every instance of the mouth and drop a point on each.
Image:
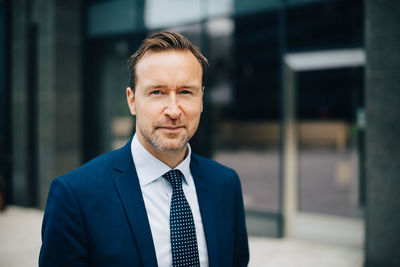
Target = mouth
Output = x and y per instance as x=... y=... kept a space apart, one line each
x=171 y=128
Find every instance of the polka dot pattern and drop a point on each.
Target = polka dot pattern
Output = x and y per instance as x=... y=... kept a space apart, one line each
x=182 y=228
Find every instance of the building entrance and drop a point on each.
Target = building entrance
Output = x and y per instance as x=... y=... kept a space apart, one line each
x=323 y=153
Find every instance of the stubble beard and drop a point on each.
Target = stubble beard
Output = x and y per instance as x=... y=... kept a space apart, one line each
x=158 y=142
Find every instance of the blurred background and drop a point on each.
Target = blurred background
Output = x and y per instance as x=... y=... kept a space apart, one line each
x=302 y=100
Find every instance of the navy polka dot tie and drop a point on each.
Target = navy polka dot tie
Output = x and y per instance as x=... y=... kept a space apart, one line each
x=182 y=228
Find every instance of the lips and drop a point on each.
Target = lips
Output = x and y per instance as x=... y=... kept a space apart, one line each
x=170 y=128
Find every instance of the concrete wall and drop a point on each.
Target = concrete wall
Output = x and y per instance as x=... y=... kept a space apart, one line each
x=383 y=133
x=55 y=79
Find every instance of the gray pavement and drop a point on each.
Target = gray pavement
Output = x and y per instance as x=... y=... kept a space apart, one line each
x=20 y=244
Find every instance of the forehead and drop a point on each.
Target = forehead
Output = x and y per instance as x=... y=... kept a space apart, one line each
x=169 y=58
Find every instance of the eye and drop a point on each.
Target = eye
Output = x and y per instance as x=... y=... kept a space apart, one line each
x=155 y=92
x=186 y=92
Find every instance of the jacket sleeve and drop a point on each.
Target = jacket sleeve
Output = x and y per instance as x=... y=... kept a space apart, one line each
x=241 y=246
x=64 y=241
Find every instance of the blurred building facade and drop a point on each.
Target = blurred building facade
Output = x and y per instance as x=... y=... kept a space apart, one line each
x=286 y=101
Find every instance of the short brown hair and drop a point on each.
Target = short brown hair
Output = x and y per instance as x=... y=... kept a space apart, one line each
x=161 y=42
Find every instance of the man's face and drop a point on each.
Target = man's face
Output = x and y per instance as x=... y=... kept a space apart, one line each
x=167 y=101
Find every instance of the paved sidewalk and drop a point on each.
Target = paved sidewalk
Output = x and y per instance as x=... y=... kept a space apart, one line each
x=20 y=244
x=20 y=237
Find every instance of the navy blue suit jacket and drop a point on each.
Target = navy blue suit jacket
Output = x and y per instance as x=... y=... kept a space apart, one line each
x=95 y=215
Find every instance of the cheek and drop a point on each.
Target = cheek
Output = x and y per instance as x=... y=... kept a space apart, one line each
x=148 y=115
x=146 y=110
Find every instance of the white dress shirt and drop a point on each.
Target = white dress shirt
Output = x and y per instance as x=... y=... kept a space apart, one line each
x=157 y=193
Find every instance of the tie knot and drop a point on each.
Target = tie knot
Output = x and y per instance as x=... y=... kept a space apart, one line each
x=175 y=178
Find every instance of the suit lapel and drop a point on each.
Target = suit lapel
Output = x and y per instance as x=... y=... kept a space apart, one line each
x=204 y=198
x=128 y=187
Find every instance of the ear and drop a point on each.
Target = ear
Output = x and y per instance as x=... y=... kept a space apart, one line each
x=130 y=98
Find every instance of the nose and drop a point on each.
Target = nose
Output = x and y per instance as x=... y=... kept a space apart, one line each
x=172 y=109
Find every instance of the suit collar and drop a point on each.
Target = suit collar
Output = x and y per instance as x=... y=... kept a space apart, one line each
x=205 y=197
x=123 y=159
x=128 y=188
x=149 y=168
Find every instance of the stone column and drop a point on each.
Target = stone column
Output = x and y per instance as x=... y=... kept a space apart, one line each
x=382 y=22
x=19 y=102
x=60 y=89
x=57 y=79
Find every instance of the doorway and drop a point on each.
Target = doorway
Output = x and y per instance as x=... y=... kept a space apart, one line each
x=322 y=153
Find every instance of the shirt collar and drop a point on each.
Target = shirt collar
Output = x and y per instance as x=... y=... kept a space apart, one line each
x=150 y=168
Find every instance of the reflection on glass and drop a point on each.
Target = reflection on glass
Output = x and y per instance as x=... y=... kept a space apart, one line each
x=245 y=133
x=328 y=141
x=251 y=148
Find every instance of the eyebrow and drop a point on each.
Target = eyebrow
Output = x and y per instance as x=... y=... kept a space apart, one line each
x=191 y=87
x=180 y=87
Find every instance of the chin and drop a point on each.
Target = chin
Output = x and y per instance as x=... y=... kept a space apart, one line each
x=172 y=146
x=164 y=143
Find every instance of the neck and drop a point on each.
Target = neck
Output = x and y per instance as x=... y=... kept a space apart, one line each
x=171 y=158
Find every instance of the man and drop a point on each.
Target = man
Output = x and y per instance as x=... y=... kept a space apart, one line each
x=152 y=202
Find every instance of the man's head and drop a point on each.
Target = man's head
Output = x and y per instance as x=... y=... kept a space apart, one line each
x=167 y=75
x=162 y=42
